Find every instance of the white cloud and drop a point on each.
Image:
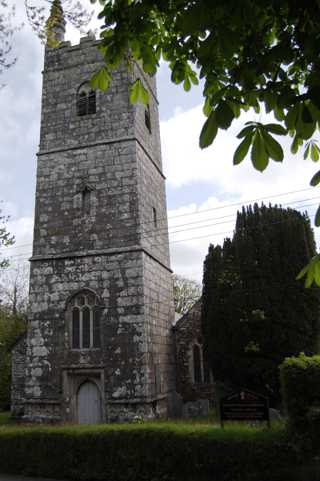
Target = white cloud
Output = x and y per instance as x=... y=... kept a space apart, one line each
x=186 y=165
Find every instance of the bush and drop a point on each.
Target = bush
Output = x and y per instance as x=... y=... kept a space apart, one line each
x=300 y=380
x=145 y=452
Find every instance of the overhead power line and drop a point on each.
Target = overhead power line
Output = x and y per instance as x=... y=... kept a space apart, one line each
x=154 y=244
x=165 y=228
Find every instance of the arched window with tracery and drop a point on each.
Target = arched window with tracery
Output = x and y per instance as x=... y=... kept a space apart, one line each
x=86 y=100
x=197 y=364
x=85 y=311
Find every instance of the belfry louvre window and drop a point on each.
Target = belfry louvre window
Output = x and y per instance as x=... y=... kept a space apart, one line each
x=86 y=100
x=85 y=321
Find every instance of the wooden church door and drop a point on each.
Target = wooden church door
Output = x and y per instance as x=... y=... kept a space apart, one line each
x=89 y=404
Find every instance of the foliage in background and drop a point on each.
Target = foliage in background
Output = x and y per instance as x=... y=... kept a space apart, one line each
x=73 y=11
x=300 y=382
x=11 y=328
x=7 y=29
x=14 y=287
x=254 y=311
x=6 y=239
x=36 y=13
x=186 y=292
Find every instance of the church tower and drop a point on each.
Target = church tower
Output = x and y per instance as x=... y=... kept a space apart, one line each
x=99 y=344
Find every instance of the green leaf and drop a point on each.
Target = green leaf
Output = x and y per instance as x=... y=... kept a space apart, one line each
x=244 y=132
x=291 y=117
x=207 y=107
x=306 y=115
x=272 y=147
x=224 y=115
x=311 y=271
x=317 y=272
x=306 y=129
x=302 y=273
x=187 y=84
x=276 y=129
x=295 y=145
x=314 y=152
x=317 y=217
x=279 y=114
x=209 y=131
x=315 y=179
x=259 y=155
x=270 y=101
x=306 y=152
x=149 y=60
x=139 y=93
x=242 y=149
x=193 y=77
x=101 y=80
x=178 y=72
x=235 y=106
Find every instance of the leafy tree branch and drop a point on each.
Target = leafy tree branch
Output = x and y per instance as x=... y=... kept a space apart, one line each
x=250 y=55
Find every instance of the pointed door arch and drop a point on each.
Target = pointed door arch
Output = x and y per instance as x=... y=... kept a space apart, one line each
x=89 y=403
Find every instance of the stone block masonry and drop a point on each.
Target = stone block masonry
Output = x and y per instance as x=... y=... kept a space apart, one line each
x=101 y=296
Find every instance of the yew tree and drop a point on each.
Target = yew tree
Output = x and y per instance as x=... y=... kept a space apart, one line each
x=250 y=54
x=254 y=312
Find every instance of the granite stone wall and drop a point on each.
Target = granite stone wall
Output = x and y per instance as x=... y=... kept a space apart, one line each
x=18 y=376
x=99 y=184
x=191 y=386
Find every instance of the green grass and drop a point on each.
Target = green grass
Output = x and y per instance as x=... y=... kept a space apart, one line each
x=179 y=427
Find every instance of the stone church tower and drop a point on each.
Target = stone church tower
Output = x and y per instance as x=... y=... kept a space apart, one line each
x=99 y=346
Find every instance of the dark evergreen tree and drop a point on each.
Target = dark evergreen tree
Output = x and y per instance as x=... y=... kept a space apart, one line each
x=255 y=313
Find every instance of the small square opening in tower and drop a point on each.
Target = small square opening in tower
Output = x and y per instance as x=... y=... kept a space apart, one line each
x=147 y=118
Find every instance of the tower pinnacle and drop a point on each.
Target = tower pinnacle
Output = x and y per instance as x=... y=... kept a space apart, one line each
x=55 y=25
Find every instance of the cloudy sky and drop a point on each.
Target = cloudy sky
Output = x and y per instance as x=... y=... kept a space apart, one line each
x=204 y=190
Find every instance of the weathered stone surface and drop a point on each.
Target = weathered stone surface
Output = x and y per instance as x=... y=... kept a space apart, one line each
x=18 y=374
x=196 y=409
x=100 y=226
x=191 y=385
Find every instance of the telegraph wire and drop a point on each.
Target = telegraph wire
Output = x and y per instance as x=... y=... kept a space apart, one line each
x=156 y=231
x=25 y=255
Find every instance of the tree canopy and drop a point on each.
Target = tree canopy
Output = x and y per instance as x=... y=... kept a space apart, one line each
x=6 y=239
x=36 y=14
x=186 y=292
x=254 y=312
x=250 y=54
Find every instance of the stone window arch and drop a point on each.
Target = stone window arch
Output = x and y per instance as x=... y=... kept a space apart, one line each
x=84 y=312
x=196 y=370
x=197 y=364
x=86 y=100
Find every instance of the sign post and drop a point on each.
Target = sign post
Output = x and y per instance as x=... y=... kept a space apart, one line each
x=244 y=406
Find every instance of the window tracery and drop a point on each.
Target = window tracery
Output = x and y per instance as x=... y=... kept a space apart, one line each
x=85 y=320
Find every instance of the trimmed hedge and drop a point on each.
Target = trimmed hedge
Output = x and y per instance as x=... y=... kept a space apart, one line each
x=300 y=381
x=147 y=452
